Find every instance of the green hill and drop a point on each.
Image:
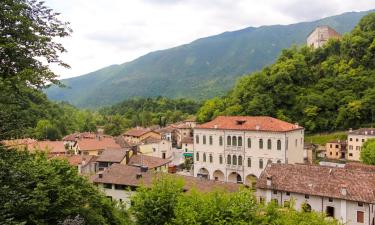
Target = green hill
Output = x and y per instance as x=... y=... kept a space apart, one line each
x=204 y=68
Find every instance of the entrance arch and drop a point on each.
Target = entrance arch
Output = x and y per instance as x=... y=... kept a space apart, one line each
x=203 y=172
x=251 y=180
x=218 y=175
x=234 y=178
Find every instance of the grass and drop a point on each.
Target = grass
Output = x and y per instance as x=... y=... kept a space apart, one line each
x=323 y=138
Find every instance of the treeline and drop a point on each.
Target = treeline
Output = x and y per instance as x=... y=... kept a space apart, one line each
x=329 y=88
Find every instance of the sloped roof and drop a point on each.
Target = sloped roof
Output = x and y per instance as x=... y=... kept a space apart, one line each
x=363 y=131
x=112 y=155
x=88 y=144
x=148 y=161
x=127 y=175
x=137 y=132
x=150 y=140
x=54 y=147
x=252 y=123
x=320 y=181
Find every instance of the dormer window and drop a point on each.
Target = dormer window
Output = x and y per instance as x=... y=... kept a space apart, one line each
x=240 y=122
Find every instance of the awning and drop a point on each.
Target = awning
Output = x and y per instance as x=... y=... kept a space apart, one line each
x=188 y=154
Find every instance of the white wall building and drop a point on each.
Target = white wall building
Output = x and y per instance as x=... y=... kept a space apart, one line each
x=320 y=35
x=238 y=148
x=356 y=138
x=343 y=193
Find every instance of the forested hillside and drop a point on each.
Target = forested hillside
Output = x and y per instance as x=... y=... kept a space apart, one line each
x=205 y=68
x=324 y=89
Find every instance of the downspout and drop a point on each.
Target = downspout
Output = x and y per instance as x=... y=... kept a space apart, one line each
x=322 y=204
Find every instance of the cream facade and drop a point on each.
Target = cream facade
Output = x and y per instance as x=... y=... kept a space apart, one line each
x=241 y=155
x=356 y=139
x=161 y=149
x=320 y=35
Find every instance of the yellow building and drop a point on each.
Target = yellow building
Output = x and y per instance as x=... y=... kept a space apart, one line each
x=136 y=135
x=336 y=149
x=156 y=148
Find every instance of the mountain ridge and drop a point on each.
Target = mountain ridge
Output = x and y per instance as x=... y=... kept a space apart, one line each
x=203 y=68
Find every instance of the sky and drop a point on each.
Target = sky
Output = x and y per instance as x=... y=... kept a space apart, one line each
x=107 y=32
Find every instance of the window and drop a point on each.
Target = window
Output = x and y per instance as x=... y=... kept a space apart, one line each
x=288 y=194
x=363 y=140
x=210 y=157
x=350 y=139
x=210 y=140
x=239 y=141
x=107 y=186
x=221 y=159
x=330 y=153
x=248 y=162
x=330 y=199
x=279 y=161
x=260 y=163
x=229 y=140
x=357 y=148
x=330 y=211
x=296 y=143
x=163 y=155
x=356 y=139
x=350 y=147
x=330 y=145
x=360 y=217
x=234 y=160
x=278 y=145
x=337 y=146
x=204 y=139
x=350 y=154
x=360 y=204
x=274 y=192
x=196 y=139
x=337 y=153
x=204 y=157
x=261 y=143
x=234 y=141
x=269 y=144
x=269 y=161
x=154 y=149
x=240 y=160
x=120 y=187
x=249 y=143
x=286 y=144
x=307 y=196
x=197 y=156
x=221 y=141
x=229 y=159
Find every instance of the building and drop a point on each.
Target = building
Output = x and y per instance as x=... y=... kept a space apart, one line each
x=187 y=145
x=136 y=135
x=151 y=146
x=52 y=148
x=112 y=156
x=119 y=182
x=320 y=35
x=183 y=130
x=95 y=146
x=238 y=148
x=149 y=162
x=345 y=194
x=356 y=138
x=85 y=164
x=166 y=133
x=336 y=149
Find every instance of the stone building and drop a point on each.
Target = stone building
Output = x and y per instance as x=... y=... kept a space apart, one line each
x=320 y=35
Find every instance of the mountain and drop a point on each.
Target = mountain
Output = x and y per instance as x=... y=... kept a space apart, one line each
x=204 y=68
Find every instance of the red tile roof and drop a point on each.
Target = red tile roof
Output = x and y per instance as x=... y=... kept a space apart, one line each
x=137 y=132
x=148 y=161
x=363 y=131
x=88 y=144
x=320 y=181
x=112 y=155
x=254 y=123
x=76 y=160
x=359 y=166
x=53 y=147
x=127 y=175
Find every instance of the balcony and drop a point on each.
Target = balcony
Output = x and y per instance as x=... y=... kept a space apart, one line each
x=234 y=167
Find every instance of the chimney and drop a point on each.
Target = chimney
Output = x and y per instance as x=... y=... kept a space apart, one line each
x=344 y=191
x=297 y=125
x=350 y=130
x=139 y=176
x=269 y=181
x=257 y=127
x=215 y=126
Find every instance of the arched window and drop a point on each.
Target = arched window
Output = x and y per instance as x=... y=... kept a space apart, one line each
x=204 y=139
x=234 y=160
x=221 y=159
x=248 y=162
x=269 y=161
x=279 y=161
x=196 y=139
x=210 y=140
x=229 y=140
x=211 y=159
x=220 y=140
x=197 y=156
x=229 y=159
x=269 y=144
x=260 y=163
x=239 y=141
x=204 y=157
x=278 y=145
x=261 y=143
x=240 y=160
x=234 y=141
x=249 y=143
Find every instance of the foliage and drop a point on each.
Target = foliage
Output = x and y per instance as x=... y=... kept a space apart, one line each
x=205 y=68
x=325 y=89
x=368 y=152
x=323 y=138
x=35 y=190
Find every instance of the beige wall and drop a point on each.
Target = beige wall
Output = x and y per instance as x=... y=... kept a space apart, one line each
x=320 y=36
x=157 y=149
x=354 y=146
x=333 y=150
x=136 y=140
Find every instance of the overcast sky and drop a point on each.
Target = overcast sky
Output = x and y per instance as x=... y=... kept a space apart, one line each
x=107 y=32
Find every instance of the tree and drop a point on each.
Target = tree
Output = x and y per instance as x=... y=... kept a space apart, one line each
x=368 y=152
x=36 y=190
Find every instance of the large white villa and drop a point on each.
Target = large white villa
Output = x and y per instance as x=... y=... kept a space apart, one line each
x=238 y=148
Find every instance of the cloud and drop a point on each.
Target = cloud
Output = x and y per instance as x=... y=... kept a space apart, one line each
x=116 y=31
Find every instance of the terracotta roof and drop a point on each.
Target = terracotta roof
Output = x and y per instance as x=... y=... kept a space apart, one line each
x=320 y=181
x=75 y=136
x=54 y=147
x=112 y=155
x=148 y=161
x=76 y=160
x=363 y=131
x=254 y=123
x=127 y=175
x=122 y=142
x=181 y=125
x=337 y=142
x=87 y=144
x=168 y=129
x=137 y=132
x=150 y=140
x=360 y=166
x=19 y=143
x=188 y=140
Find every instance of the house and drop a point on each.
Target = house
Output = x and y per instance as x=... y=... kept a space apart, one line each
x=149 y=162
x=85 y=164
x=166 y=133
x=345 y=194
x=52 y=148
x=183 y=130
x=238 y=148
x=320 y=35
x=19 y=144
x=120 y=181
x=112 y=156
x=95 y=146
x=136 y=135
x=356 y=138
x=187 y=145
x=151 y=146
x=336 y=149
